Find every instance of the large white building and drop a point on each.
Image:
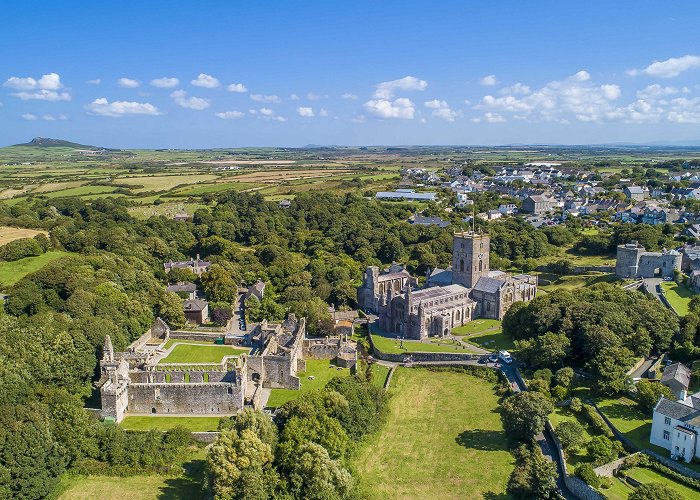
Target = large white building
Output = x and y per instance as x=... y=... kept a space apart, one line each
x=675 y=426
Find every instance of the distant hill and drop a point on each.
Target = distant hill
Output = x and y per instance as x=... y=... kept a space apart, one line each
x=44 y=142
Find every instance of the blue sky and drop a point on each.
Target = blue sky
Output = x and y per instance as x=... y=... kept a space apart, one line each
x=224 y=74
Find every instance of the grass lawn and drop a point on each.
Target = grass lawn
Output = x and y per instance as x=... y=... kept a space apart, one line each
x=177 y=487
x=476 y=326
x=184 y=353
x=215 y=188
x=12 y=272
x=379 y=374
x=627 y=418
x=391 y=345
x=321 y=369
x=562 y=414
x=79 y=191
x=494 y=340
x=677 y=295
x=443 y=439
x=644 y=475
x=619 y=490
x=163 y=182
x=172 y=342
x=163 y=423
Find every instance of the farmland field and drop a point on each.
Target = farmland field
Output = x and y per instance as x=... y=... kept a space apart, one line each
x=8 y=234
x=163 y=423
x=164 y=182
x=442 y=430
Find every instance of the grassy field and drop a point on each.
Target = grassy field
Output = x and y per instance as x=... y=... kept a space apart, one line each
x=677 y=295
x=185 y=353
x=166 y=209
x=12 y=272
x=215 y=188
x=185 y=486
x=443 y=439
x=8 y=234
x=379 y=373
x=476 y=326
x=644 y=475
x=79 y=191
x=320 y=369
x=162 y=423
x=163 y=182
x=391 y=345
x=626 y=416
x=485 y=333
x=571 y=282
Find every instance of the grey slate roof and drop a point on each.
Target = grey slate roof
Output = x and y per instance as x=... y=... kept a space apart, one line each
x=195 y=305
x=678 y=372
x=182 y=287
x=674 y=409
x=489 y=285
x=441 y=276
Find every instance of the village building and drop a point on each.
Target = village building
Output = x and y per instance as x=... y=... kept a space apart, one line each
x=537 y=204
x=196 y=311
x=185 y=290
x=675 y=426
x=677 y=378
x=633 y=261
x=197 y=266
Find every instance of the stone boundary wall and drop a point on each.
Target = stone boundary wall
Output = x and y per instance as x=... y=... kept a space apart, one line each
x=636 y=365
x=610 y=469
x=190 y=335
x=629 y=445
x=577 y=486
x=665 y=301
x=141 y=341
x=421 y=357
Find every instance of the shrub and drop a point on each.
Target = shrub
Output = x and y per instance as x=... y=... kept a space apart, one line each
x=570 y=434
x=587 y=474
x=18 y=249
x=559 y=392
x=576 y=405
x=602 y=450
x=596 y=421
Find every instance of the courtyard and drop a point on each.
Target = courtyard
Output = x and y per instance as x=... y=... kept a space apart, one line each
x=183 y=352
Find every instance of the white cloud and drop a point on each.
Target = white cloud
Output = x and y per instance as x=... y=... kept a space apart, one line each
x=348 y=95
x=96 y=81
x=127 y=83
x=266 y=112
x=265 y=98
x=103 y=107
x=684 y=110
x=581 y=76
x=386 y=90
x=401 y=108
x=516 y=89
x=237 y=87
x=49 y=81
x=442 y=110
x=490 y=118
x=165 y=82
x=488 y=81
x=669 y=68
x=657 y=91
x=230 y=115
x=294 y=97
x=51 y=118
x=206 y=81
x=43 y=95
x=181 y=99
x=359 y=119
x=315 y=97
x=322 y=112
x=29 y=117
x=305 y=112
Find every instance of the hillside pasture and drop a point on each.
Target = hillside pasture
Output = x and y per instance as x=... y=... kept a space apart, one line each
x=163 y=182
x=8 y=234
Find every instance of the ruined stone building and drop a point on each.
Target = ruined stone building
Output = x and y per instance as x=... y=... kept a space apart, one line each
x=633 y=261
x=452 y=297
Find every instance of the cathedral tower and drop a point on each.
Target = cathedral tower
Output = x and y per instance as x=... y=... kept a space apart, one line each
x=470 y=258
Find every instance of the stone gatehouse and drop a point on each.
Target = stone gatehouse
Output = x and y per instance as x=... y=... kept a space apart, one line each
x=633 y=261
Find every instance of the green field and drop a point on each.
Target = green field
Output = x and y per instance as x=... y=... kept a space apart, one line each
x=379 y=374
x=185 y=353
x=476 y=326
x=165 y=209
x=443 y=439
x=485 y=333
x=644 y=475
x=627 y=418
x=215 y=188
x=320 y=369
x=390 y=345
x=12 y=272
x=163 y=423
x=678 y=296
x=79 y=191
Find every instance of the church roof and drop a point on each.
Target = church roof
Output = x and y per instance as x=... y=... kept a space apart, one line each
x=489 y=285
x=441 y=276
x=437 y=291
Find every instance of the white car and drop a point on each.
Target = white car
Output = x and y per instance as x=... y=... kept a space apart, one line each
x=505 y=357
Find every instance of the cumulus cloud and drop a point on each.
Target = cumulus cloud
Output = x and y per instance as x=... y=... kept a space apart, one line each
x=237 y=87
x=516 y=89
x=322 y=112
x=95 y=81
x=657 y=91
x=315 y=97
x=489 y=117
x=401 y=108
x=348 y=95
x=51 y=118
x=29 y=117
x=669 y=68
x=206 y=81
x=558 y=101
x=230 y=115
x=181 y=99
x=488 y=81
x=305 y=112
x=265 y=98
x=165 y=82
x=294 y=97
x=103 y=107
x=267 y=114
x=43 y=89
x=442 y=110
x=387 y=90
x=127 y=83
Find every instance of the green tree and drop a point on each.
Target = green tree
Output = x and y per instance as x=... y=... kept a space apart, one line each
x=524 y=414
x=171 y=311
x=534 y=477
x=564 y=376
x=314 y=475
x=601 y=450
x=648 y=394
x=570 y=434
x=654 y=491
x=219 y=284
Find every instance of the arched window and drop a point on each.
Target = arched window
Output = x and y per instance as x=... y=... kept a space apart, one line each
x=461 y=265
x=480 y=265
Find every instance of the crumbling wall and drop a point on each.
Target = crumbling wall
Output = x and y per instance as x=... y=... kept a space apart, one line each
x=195 y=398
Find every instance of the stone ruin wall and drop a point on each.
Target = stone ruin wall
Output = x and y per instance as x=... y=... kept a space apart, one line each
x=186 y=398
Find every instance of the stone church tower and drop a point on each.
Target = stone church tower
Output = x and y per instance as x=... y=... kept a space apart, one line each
x=470 y=258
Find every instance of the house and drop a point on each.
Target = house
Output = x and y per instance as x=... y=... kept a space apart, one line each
x=197 y=266
x=285 y=203
x=493 y=214
x=677 y=378
x=405 y=194
x=537 y=204
x=419 y=220
x=196 y=311
x=181 y=217
x=693 y=231
x=257 y=291
x=185 y=290
x=508 y=209
x=636 y=193
x=675 y=426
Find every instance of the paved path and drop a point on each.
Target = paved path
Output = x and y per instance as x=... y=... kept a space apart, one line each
x=654 y=285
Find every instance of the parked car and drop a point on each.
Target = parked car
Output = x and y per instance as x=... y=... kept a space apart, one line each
x=505 y=357
x=493 y=357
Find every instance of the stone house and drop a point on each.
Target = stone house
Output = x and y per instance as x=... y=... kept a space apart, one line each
x=197 y=266
x=537 y=204
x=196 y=311
x=636 y=193
x=188 y=290
x=633 y=261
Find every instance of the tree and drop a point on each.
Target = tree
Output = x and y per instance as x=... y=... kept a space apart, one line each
x=20 y=248
x=564 y=376
x=534 y=477
x=654 y=491
x=549 y=349
x=240 y=466
x=570 y=434
x=219 y=284
x=255 y=421
x=171 y=311
x=525 y=414
x=313 y=475
x=601 y=450
x=648 y=394
x=611 y=365
x=585 y=471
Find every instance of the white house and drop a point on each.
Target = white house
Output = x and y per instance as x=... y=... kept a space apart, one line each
x=675 y=426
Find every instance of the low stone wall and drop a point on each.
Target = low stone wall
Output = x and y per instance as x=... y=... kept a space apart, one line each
x=141 y=341
x=191 y=335
x=422 y=357
x=387 y=382
x=629 y=445
x=205 y=437
x=610 y=469
x=672 y=464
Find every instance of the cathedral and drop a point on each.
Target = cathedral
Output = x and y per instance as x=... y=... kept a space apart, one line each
x=451 y=297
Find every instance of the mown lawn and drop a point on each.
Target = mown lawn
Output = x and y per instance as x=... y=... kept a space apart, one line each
x=677 y=295
x=12 y=272
x=163 y=423
x=320 y=369
x=391 y=345
x=379 y=374
x=476 y=326
x=184 y=353
x=627 y=418
x=443 y=439
x=644 y=475
x=172 y=342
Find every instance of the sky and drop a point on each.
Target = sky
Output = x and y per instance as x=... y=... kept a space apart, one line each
x=186 y=74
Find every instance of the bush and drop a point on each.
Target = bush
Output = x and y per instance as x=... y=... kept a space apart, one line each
x=648 y=394
x=602 y=450
x=587 y=474
x=559 y=392
x=576 y=405
x=18 y=249
x=570 y=434
x=596 y=421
